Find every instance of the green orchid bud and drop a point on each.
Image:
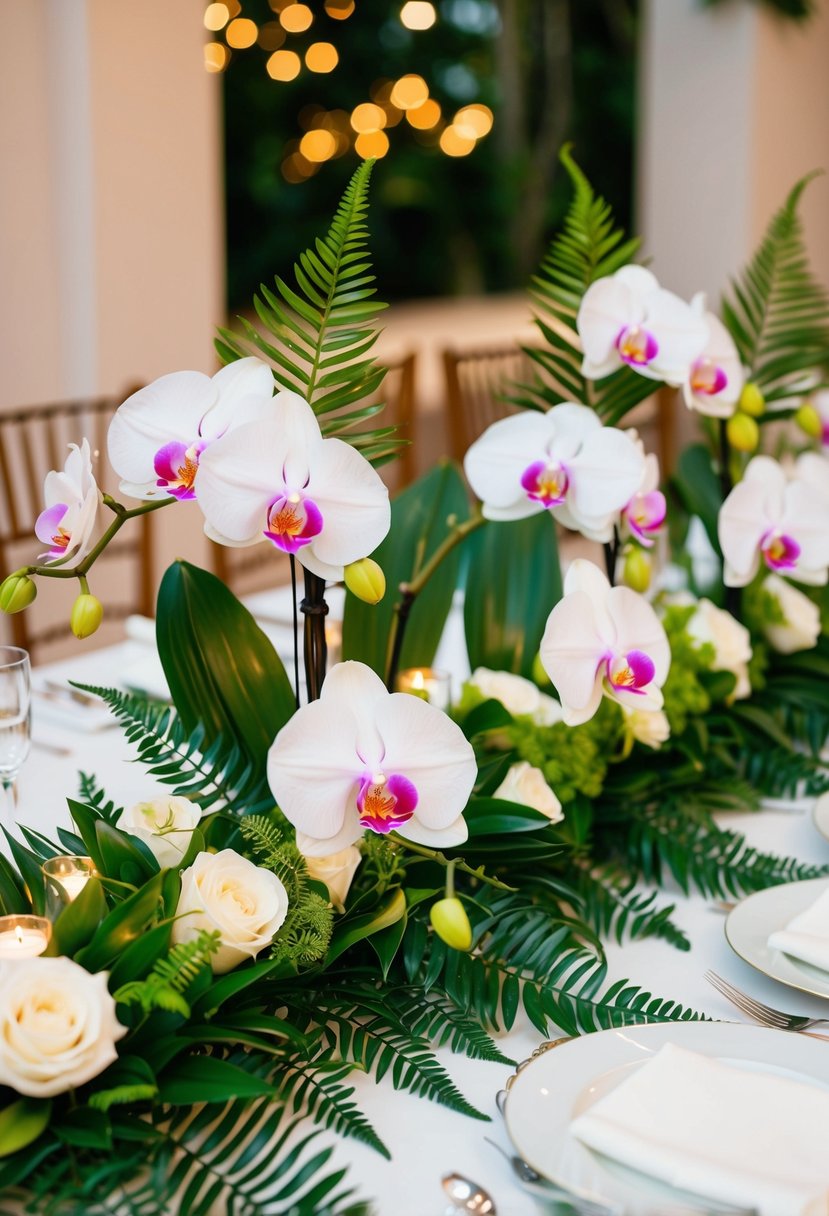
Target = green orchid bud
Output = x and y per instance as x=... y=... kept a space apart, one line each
x=450 y=922
x=16 y=593
x=636 y=572
x=743 y=432
x=751 y=400
x=539 y=672
x=809 y=421
x=366 y=580
x=87 y=614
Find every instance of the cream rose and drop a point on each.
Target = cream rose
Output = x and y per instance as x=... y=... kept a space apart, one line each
x=336 y=871
x=526 y=785
x=58 y=1027
x=226 y=892
x=165 y=825
x=517 y=695
x=649 y=727
x=801 y=628
x=731 y=642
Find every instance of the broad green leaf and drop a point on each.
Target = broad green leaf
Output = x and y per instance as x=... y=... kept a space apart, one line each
x=497 y=817
x=85 y=1128
x=386 y=943
x=347 y=934
x=421 y=519
x=124 y=857
x=140 y=955
x=79 y=920
x=228 y=986
x=22 y=1122
x=699 y=488
x=222 y=670
x=13 y=896
x=123 y=925
x=209 y=1079
x=513 y=584
x=29 y=866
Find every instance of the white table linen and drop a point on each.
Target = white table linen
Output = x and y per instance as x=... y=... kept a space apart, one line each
x=806 y=936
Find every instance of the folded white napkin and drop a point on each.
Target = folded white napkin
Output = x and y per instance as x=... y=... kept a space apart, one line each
x=140 y=629
x=717 y=1130
x=806 y=936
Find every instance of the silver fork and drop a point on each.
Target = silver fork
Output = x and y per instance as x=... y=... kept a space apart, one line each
x=764 y=1014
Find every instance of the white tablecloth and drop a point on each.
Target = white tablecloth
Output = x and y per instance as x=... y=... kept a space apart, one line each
x=427 y=1141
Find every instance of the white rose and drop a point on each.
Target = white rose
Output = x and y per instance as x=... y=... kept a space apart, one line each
x=801 y=628
x=650 y=727
x=226 y=892
x=336 y=871
x=165 y=825
x=57 y=1026
x=517 y=695
x=730 y=639
x=526 y=785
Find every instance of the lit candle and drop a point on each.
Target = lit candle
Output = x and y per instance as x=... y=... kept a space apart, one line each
x=334 y=641
x=23 y=936
x=426 y=683
x=66 y=877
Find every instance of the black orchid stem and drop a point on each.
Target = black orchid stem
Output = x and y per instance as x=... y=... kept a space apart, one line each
x=733 y=599
x=296 y=627
x=315 y=610
x=611 y=555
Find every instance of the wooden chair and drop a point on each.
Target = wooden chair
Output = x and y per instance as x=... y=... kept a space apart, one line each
x=34 y=440
x=261 y=566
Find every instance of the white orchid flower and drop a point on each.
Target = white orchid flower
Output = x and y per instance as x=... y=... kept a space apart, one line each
x=628 y=318
x=72 y=497
x=645 y=513
x=782 y=522
x=603 y=641
x=820 y=401
x=715 y=379
x=363 y=758
x=278 y=479
x=158 y=435
x=564 y=461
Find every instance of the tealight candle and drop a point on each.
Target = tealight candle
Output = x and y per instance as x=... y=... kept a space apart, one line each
x=334 y=641
x=427 y=683
x=23 y=937
x=65 y=878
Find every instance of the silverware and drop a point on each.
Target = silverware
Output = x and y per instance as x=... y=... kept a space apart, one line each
x=764 y=1014
x=58 y=688
x=54 y=749
x=467 y=1196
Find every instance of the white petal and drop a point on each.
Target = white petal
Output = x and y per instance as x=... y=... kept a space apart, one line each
x=220 y=539
x=741 y=526
x=426 y=746
x=170 y=408
x=313 y=768
x=571 y=651
x=519 y=510
x=572 y=426
x=640 y=281
x=352 y=829
x=599 y=529
x=248 y=377
x=648 y=700
x=307 y=559
x=436 y=838
x=495 y=462
x=607 y=307
x=606 y=474
x=353 y=500
x=639 y=628
x=681 y=335
x=806 y=515
x=584 y=575
x=239 y=476
x=301 y=435
x=577 y=717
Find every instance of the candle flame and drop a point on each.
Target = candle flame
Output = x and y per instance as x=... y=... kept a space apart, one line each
x=418 y=681
x=18 y=932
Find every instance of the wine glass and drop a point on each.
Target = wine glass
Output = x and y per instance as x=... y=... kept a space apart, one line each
x=15 y=724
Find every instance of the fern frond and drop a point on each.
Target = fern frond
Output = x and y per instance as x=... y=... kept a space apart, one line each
x=314 y=1090
x=92 y=794
x=172 y=976
x=777 y=312
x=220 y=777
x=614 y=908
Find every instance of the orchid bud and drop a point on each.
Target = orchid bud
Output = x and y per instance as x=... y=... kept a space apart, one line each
x=539 y=674
x=752 y=400
x=366 y=580
x=16 y=593
x=809 y=421
x=636 y=573
x=87 y=614
x=450 y=922
x=743 y=432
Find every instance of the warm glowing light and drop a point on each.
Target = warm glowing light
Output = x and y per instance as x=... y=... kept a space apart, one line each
x=368 y=117
x=216 y=57
x=278 y=5
x=296 y=18
x=234 y=8
x=424 y=117
x=380 y=90
x=321 y=57
x=216 y=16
x=296 y=169
x=339 y=9
x=241 y=33
x=271 y=36
x=284 y=65
x=418 y=15
x=371 y=144
x=453 y=143
x=318 y=145
x=474 y=122
x=408 y=92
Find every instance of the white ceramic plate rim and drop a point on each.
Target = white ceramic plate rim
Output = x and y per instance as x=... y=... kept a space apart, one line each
x=554 y=1087
x=755 y=918
x=820 y=815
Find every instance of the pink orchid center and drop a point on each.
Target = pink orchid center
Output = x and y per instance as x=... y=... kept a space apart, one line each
x=825 y=432
x=176 y=465
x=780 y=552
x=707 y=377
x=385 y=802
x=645 y=514
x=637 y=345
x=631 y=671
x=545 y=483
x=293 y=521
x=49 y=529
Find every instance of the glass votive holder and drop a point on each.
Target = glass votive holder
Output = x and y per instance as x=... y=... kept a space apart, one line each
x=65 y=878
x=427 y=683
x=23 y=936
x=334 y=641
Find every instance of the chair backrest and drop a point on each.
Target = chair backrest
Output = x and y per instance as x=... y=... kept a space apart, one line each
x=261 y=566
x=477 y=383
x=34 y=440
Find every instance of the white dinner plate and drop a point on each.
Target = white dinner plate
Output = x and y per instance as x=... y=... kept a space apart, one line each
x=750 y=924
x=820 y=815
x=563 y=1082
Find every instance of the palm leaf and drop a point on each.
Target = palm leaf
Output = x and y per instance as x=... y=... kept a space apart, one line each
x=777 y=312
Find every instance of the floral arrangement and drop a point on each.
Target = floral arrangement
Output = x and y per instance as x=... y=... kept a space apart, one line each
x=349 y=877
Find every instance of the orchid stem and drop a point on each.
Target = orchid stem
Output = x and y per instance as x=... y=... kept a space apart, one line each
x=456 y=863
x=296 y=627
x=409 y=592
x=315 y=609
